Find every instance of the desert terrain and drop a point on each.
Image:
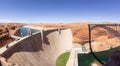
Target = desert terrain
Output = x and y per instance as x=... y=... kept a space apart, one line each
x=6 y=30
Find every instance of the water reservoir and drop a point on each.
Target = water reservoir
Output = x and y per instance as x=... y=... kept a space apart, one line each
x=27 y=31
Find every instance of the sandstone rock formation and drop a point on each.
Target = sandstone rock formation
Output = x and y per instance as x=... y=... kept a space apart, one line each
x=6 y=30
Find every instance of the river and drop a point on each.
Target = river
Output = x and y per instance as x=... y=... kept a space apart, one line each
x=27 y=31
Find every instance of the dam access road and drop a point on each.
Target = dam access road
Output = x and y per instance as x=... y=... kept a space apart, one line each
x=40 y=49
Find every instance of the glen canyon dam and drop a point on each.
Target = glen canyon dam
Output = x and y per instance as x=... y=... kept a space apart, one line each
x=59 y=45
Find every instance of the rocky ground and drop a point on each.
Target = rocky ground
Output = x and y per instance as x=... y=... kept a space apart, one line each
x=6 y=30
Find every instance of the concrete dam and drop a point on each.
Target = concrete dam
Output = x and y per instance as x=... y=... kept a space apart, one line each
x=40 y=49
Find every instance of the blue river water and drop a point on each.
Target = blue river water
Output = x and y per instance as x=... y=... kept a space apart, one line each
x=26 y=31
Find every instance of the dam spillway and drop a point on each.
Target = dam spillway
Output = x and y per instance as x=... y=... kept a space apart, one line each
x=40 y=49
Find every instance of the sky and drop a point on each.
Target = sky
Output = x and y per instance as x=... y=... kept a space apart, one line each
x=59 y=11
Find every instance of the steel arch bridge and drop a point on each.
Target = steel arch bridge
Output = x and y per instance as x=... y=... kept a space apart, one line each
x=104 y=26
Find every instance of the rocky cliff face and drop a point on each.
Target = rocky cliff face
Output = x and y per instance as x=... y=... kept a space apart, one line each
x=6 y=30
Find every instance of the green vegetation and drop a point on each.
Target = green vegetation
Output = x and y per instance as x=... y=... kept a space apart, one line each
x=87 y=59
x=62 y=59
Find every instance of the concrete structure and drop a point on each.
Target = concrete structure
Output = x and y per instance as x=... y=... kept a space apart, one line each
x=73 y=59
x=40 y=49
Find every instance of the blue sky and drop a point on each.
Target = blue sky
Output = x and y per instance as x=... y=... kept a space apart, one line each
x=60 y=11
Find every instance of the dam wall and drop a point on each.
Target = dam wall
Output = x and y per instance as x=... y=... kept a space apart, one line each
x=41 y=49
